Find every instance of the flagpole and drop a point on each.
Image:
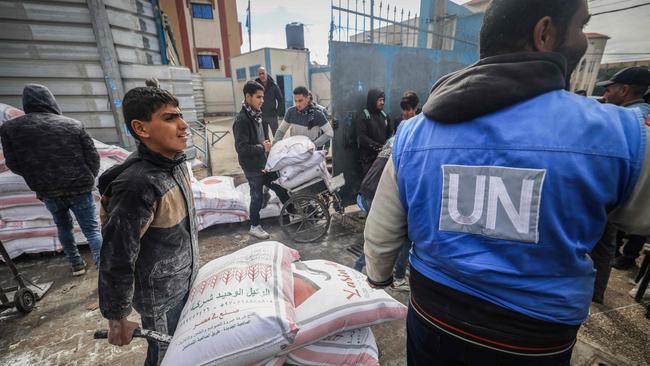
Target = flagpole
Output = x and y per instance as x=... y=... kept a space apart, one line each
x=250 y=44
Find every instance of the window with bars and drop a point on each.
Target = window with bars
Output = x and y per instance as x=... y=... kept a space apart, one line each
x=208 y=61
x=241 y=74
x=252 y=70
x=202 y=11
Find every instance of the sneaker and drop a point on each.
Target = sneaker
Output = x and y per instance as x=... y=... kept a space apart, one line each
x=79 y=269
x=400 y=285
x=646 y=295
x=258 y=232
x=624 y=263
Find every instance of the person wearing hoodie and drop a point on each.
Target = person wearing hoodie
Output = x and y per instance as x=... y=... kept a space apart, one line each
x=273 y=106
x=505 y=197
x=373 y=129
x=150 y=252
x=252 y=149
x=58 y=160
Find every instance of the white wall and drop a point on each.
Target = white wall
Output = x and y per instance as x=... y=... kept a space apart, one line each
x=218 y=95
x=291 y=62
x=321 y=89
x=243 y=61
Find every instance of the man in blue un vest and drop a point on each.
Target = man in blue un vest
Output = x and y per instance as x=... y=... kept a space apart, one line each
x=503 y=197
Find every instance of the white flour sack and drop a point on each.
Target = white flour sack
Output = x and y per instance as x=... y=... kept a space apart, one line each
x=292 y=150
x=331 y=298
x=352 y=348
x=240 y=309
x=316 y=159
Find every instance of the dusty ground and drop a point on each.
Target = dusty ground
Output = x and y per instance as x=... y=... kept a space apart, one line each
x=59 y=331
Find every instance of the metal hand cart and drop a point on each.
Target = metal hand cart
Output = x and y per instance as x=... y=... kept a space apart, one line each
x=305 y=217
x=24 y=296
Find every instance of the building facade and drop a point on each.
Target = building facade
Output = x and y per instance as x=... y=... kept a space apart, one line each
x=288 y=67
x=204 y=35
x=584 y=77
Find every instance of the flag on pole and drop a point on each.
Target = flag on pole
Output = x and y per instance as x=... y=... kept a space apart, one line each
x=248 y=15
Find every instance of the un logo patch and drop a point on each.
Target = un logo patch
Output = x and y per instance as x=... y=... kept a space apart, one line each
x=497 y=202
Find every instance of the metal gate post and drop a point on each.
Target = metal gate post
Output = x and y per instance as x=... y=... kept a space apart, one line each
x=110 y=67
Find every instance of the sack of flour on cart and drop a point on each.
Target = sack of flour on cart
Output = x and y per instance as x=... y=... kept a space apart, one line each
x=289 y=151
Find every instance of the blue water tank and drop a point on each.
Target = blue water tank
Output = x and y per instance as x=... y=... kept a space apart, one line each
x=295 y=36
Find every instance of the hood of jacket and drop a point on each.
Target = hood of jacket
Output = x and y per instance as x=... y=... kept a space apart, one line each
x=270 y=79
x=39 y=99
x=371 y=101
x=143 y=153
x=495 y=83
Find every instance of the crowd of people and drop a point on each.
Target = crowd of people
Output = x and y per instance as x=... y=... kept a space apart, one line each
x=504 y=192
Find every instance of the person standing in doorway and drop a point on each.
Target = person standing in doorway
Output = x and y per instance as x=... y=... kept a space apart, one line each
x=273 y=106
x=58 y=160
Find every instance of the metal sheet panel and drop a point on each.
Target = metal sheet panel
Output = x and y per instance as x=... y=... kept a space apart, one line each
x=52 y=43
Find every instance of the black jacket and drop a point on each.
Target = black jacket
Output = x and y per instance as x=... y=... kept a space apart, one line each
x=149 y=255
x=273 y=99
x=373 y=129
x=53 y=153
x=370 y=182
x=248 y=142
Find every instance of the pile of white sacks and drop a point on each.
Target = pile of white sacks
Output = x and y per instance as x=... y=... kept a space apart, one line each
x=297 y=161
x=262 y=306
x=26 y=226
x=218 y=201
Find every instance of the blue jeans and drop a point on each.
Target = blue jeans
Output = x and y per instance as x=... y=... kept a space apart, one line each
x=83 y=207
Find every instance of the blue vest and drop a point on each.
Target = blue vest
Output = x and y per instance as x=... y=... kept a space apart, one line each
x=507 y=206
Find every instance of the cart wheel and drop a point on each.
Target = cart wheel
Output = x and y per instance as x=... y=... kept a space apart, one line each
x=24 y=300
x=305 y=218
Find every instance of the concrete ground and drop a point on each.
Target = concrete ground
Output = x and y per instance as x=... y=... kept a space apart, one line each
x=59 y=331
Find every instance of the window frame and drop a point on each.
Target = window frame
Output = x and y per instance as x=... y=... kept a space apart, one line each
x=202 y=11
x=214 y=59
x=240 y=74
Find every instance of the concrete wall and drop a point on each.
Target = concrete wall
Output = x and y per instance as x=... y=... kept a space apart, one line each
x=276 y=61
x=356 y=68
x=219 y=98
x=244 y=60
x=290 y=62
x=321 y=87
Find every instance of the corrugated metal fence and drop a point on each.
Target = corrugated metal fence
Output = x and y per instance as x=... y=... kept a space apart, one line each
x=52 y=43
